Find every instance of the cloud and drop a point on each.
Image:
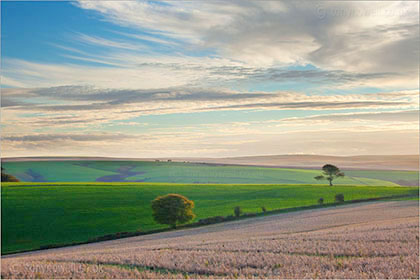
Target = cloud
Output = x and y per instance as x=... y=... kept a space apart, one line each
x=350 y=44
x=155 y=72
x=219 y=143
x=313 y=105
x=350 y=36
x=11 y=103
x=176 y=57
x=131 y=75
x=182 y=99
x=318 y=76
x=84 y=98
x=96 y=40
x=411 y=116
x=80 y=111
x=66 y=137
x=116 y=96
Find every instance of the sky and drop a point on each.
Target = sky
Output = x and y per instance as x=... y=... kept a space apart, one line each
x=209 y=78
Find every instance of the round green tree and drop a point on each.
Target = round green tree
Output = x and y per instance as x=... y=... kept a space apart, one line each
x=172 y=209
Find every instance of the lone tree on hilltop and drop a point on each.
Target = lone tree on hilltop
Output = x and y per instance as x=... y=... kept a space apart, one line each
x=330 y=172
x=172 y=209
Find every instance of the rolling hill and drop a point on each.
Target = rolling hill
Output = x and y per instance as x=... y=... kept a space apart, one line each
x=189 y=172
x=375 y=162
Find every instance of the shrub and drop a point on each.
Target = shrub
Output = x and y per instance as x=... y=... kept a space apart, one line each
x=263 y=209
x=321 y=201
x=339 y=197
x=172 y=209
x=237 y=211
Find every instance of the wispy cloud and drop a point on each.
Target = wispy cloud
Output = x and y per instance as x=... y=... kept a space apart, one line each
x=314 y=105
x=324 y=141
x=181 y=100
x=96 y=40
x=411 y=116
x=66 y=137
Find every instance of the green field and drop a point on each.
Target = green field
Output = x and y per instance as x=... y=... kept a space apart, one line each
x=37 y=214
x=179 y=172
x=404 y=178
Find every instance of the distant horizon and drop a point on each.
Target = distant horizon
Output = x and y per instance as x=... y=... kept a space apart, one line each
x=370 y=162
x=198 y=157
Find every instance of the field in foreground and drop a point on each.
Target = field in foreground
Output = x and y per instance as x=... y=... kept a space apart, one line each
x=181 y=172
x=369 y=240
x=39 y=214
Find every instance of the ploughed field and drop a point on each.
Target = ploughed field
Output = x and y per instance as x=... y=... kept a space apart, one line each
x=366 y=240
x=36 y=215
x=184 y=172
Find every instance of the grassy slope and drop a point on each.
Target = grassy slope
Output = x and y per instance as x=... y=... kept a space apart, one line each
x=35 y=214
x=395 y=176
x=55 y=171
x=175 y=172
x=190 y=173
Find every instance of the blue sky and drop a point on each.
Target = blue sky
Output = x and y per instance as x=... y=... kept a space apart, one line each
x=180 y=78
x=45 y=25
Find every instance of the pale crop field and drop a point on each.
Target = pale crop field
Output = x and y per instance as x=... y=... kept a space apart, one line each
x=370 y=240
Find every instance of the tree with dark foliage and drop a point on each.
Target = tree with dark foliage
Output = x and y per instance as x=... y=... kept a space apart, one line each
x=237 y=211
x=330 y=172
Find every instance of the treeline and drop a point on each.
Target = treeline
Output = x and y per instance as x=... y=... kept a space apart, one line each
x=7 y=177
